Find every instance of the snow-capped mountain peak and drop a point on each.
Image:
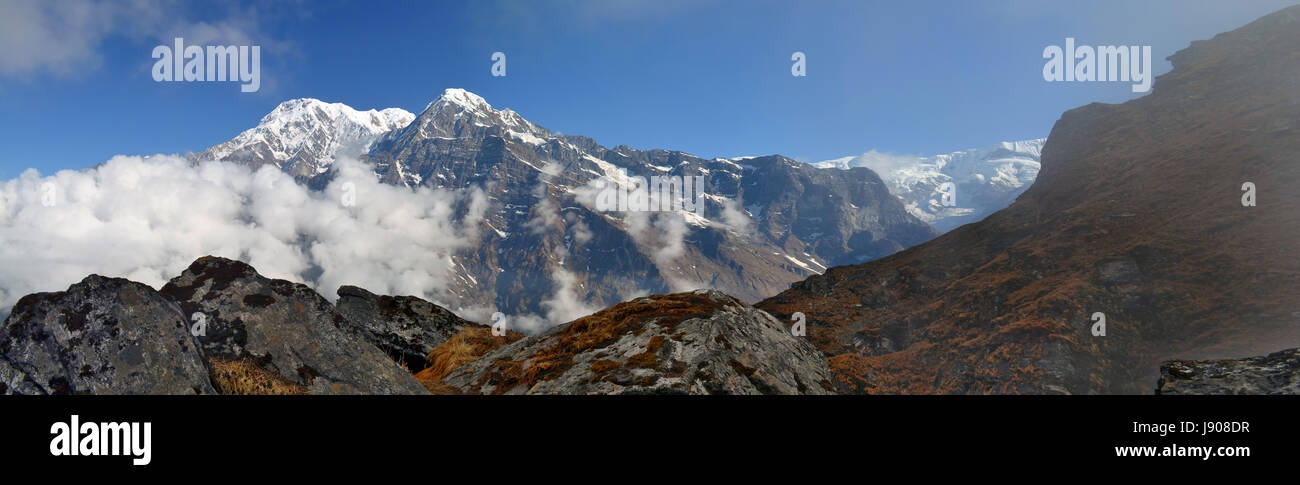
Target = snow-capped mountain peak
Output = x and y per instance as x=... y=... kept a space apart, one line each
x=458 y=113
x=297 y=111
x=303 y=136
x=986 y=179
x=461 y=98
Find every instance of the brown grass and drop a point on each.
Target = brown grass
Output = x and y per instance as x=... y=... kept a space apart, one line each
x=471 y=343
x=243 y=377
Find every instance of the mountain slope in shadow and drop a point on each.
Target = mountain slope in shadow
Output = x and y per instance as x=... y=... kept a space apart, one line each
x=1137 y=214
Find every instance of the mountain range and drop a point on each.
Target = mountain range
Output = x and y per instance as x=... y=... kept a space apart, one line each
x=766 y=221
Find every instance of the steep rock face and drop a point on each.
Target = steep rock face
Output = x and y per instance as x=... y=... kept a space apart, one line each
x=1275 y=373
x=1137 y=214
x=101 y=336
x=703 y=342
x=285 y=328
x=766 y=221
x=406 y=328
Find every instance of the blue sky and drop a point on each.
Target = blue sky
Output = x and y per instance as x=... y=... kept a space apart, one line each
x=707 y=77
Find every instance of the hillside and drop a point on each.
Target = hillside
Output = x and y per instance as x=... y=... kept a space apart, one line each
x=1137 y=213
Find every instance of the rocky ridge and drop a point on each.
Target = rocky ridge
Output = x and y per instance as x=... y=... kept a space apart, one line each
x=1275 y=373
x=220 y=327
x=284 y=328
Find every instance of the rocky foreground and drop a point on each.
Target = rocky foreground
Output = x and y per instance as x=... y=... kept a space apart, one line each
x=704 y=342
x=221 y=328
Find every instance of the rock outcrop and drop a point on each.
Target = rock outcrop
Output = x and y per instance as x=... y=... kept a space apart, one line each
x=283 y=327
x=407 y=328
x=1275 y=373
x=704 y=342
x=101 y=336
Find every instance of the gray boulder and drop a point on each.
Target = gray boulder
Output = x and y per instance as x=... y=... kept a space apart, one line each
x=1275 y=373
x=404 y=327
x=703 y=342
x=283 y=327
x=101 y=336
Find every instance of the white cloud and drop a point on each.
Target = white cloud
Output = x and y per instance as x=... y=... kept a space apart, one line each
x=660 y=234
x=147 y=219
x=60 y=37
x=581 y=232
x=567 y=303
x=66 y=37
x=546 y=214
x=735 y=219
x=884 y=163
x=663 y=234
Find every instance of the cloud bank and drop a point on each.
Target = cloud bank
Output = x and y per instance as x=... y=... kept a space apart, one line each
x=148 y=218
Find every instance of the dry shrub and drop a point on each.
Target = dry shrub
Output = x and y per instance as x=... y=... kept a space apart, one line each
x=471 y=343
x=243 y=377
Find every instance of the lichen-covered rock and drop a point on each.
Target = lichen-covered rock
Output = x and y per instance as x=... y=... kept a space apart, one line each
x=15 y=381
x=283 y=327
x=101 y=336
x=703 y=342
x=407 y=328
x=1275 y=373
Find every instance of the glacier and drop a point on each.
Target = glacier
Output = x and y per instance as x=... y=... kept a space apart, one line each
x=986 y=179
